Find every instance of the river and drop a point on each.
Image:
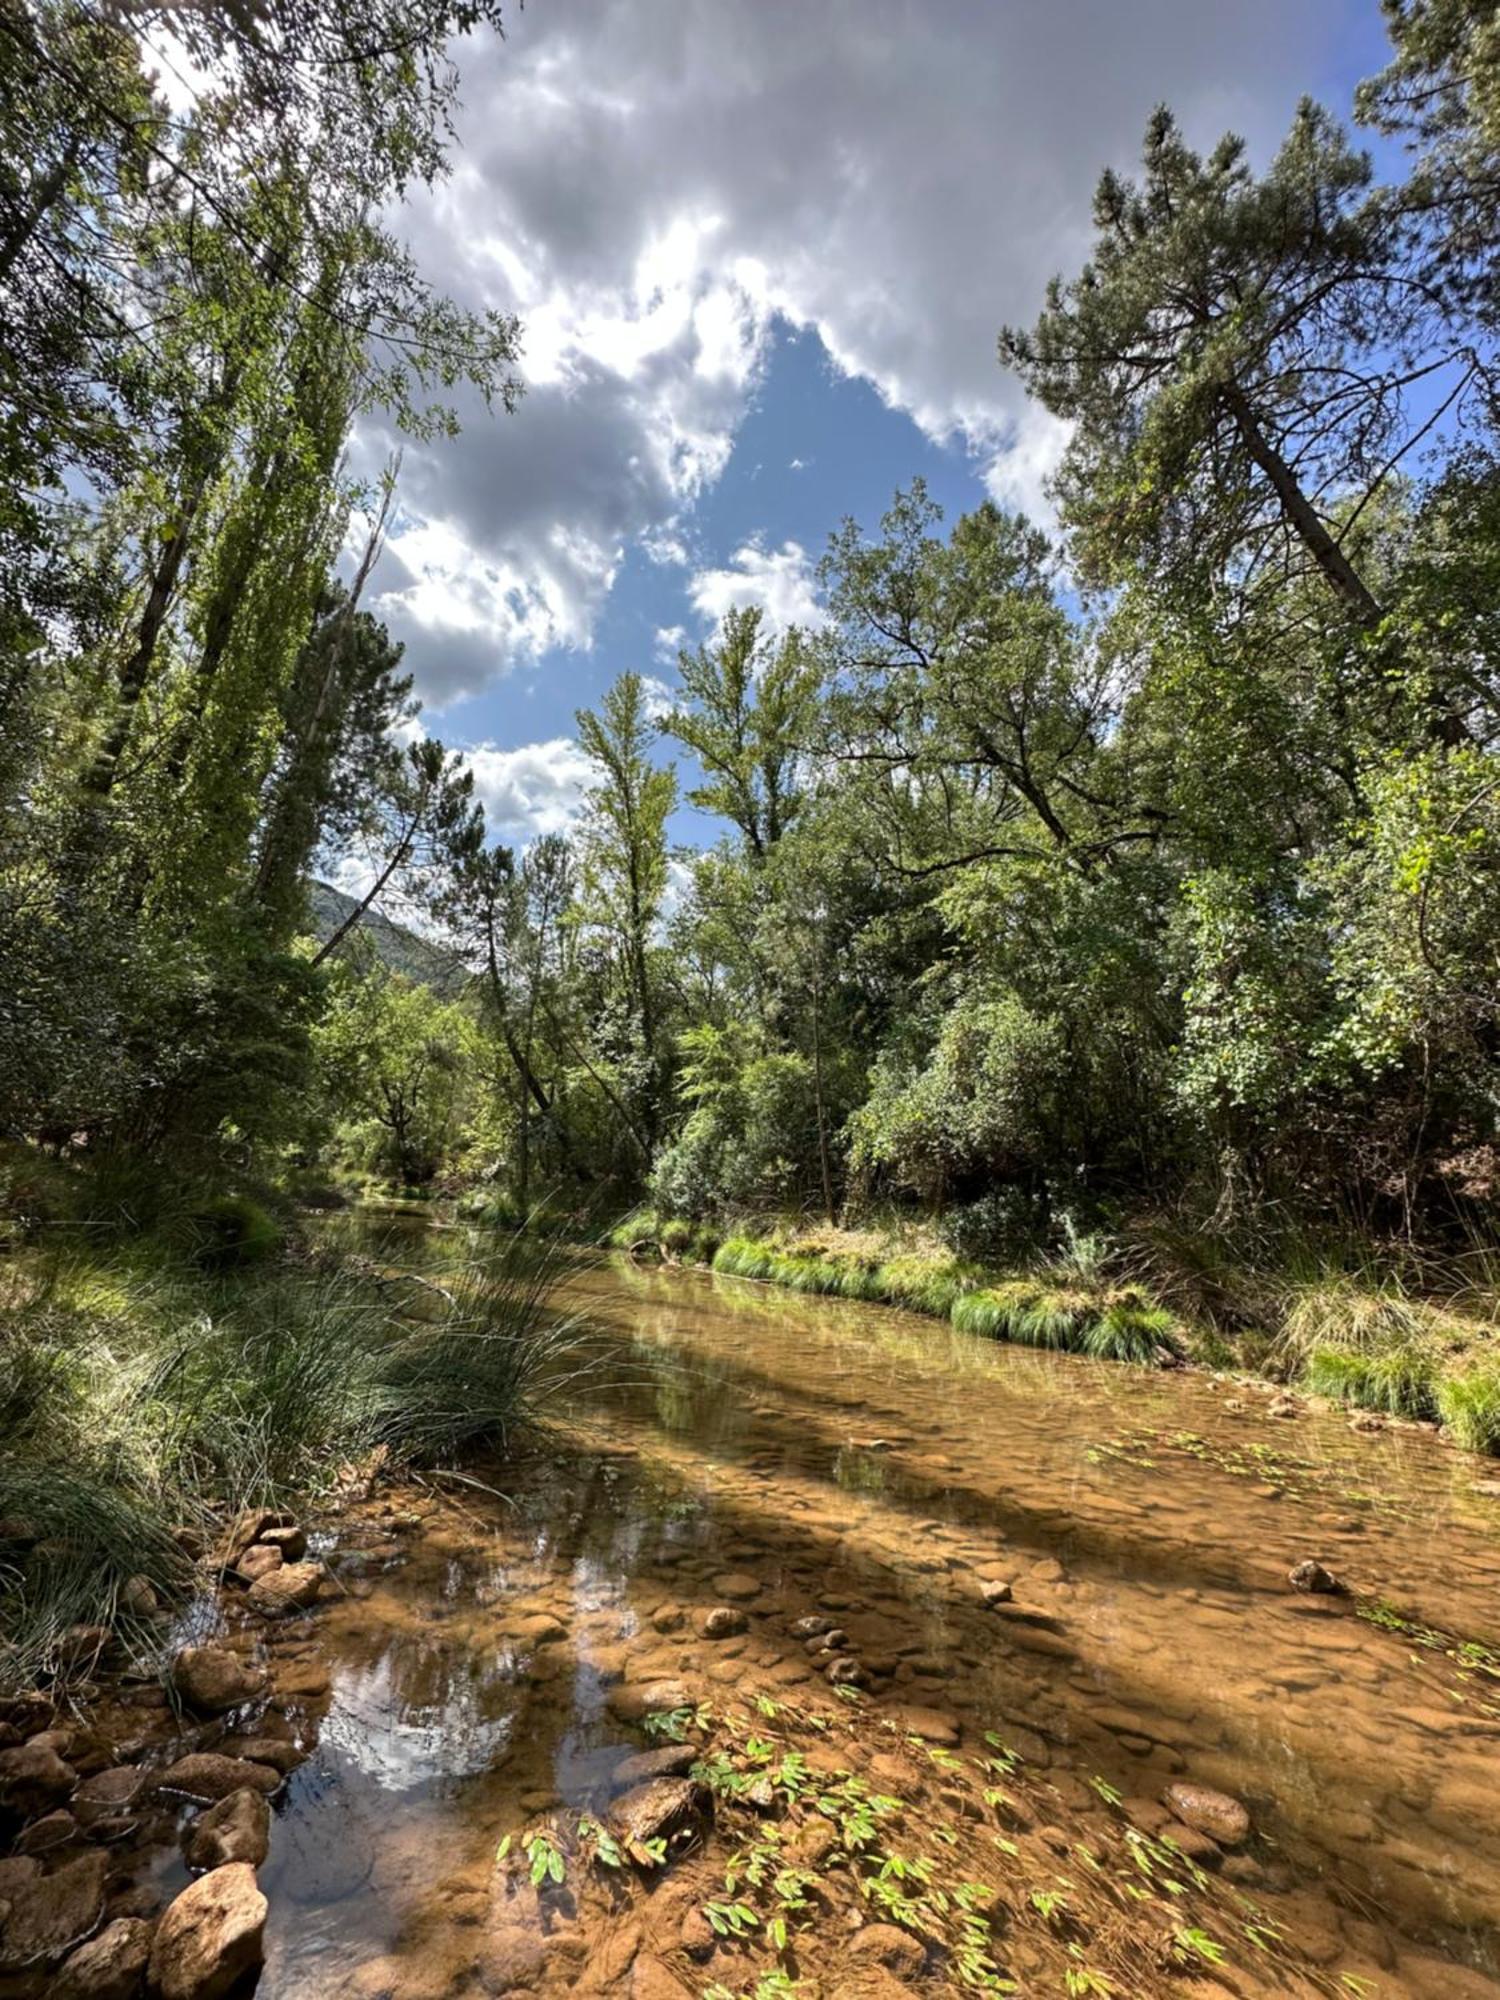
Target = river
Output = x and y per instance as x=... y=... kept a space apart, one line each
x=791 y=1454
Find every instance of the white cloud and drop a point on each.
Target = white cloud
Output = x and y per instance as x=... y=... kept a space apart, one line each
x=657 y=696
x=780 y=581
x=650 y=187
x=535 y=789
x=668 y=641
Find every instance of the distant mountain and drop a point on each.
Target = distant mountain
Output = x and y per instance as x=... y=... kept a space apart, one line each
x=394 y=945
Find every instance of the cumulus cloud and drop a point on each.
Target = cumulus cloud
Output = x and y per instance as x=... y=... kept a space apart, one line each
x=651 y=187
x=781 y=581
x=535 y=789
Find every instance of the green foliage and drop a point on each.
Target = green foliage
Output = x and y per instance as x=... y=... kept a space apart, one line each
x=1398 y=1380
x=1469 y=1405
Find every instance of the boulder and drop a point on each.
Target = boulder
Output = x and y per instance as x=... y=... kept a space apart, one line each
x=208 y=1777
x=512 y=1960
x=246 y=1529
x=995 y=1592
x=884 y=1945
x=257 y=1561
x=109 y=1793
x=212 y=1679
x=657 y=1810
x=1312 y=1576
x=673 y=1760
x=292 y=1542
x=273 y=1750
x=737 y=1587
x=54 y=1830
x=723 y=1622
x=211 y=1937
x=110 y=1966
x=633 y=1701
x=1222 y=1818
x=812 y=1627
x=927 y=1723
x=238 y=1828
x=138 y=1597
x=50 y=1914
x=34 y=1778
x=290 y=1587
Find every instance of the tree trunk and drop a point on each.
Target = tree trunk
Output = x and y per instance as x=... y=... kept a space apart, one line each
x=137 y=668
x=1300 y=512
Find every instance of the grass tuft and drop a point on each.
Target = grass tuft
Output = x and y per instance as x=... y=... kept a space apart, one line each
x=1400 y=1380
x=1469 y=1404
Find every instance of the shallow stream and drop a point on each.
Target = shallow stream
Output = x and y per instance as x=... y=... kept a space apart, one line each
x=734 y=1443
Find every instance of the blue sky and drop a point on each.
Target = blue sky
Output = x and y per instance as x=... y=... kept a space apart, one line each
x=761 y=257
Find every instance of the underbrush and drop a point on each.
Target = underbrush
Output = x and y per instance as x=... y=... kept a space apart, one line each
x=143 y=1394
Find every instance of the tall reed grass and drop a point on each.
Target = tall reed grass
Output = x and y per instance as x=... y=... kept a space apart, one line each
x=135 y=1402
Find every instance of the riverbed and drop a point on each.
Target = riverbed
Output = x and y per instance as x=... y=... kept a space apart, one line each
x=723 y=1442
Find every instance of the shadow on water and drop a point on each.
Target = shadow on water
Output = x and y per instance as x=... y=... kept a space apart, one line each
x=883 y=1466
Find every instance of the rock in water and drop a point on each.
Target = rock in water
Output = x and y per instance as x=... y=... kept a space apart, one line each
x=211 y=1937
x=1224 y=1819
x=108 y=1793
x=673 y=1760
x=258 y=1561
x=238 y=1828
x=657 y=1810
x=723 y=1622
x=292 y=1587
x=49 y=1914
x=209 y=1777
x=1314 y=1577
x=635 y=1700
x=212 y=1679
x=33 y=1777
x=110 y=1966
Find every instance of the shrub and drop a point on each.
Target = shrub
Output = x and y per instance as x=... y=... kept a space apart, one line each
x=1001 y=1227
x=1469 y=1404
x=232 y=1229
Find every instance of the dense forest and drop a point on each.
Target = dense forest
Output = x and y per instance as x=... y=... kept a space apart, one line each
x=1139 y=872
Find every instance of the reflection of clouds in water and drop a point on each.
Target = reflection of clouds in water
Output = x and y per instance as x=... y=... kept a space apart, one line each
x=402 y=1742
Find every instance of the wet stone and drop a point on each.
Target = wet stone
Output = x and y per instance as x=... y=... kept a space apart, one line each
x=673 y=1760
x=658 y=1810
x=212 y=1679
x=1224 y=1819
x=110 y=1966
x=238 y=1828
x=208 y=1777
x=211 y=1937
x=291 y=1587
x=724 y=1621
x=737 y=1587
x=43 y=1835
x=50 y=1914
x=33 y=1777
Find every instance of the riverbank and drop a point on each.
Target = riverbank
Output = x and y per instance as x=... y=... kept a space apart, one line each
x=1368 y=1343
x=158 y=1381
x=1005 y=1558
